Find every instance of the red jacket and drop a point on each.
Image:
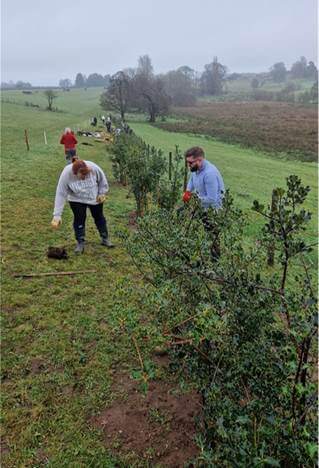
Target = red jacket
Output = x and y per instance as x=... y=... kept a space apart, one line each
x=68 y=140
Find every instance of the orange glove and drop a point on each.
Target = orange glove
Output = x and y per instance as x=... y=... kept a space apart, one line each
x=187 y=196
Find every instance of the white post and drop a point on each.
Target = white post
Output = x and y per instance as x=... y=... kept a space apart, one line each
x=45 y=137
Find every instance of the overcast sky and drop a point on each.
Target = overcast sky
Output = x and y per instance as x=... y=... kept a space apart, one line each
x=44 y=40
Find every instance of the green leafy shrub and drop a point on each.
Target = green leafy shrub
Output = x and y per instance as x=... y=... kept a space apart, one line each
x=170 y=187
x=121 y=150
x=242 y=333
x=145 y=167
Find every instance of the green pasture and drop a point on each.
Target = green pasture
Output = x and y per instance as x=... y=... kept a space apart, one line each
x=59 y=334
x=244 y=84
x=247 y=173
x=62 y=344
x=74 y=102
x=241 y=89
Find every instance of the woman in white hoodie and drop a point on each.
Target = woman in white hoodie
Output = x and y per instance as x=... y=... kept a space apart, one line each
x=84 y=185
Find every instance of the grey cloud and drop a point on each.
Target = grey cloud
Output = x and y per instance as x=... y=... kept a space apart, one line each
x=43 y=41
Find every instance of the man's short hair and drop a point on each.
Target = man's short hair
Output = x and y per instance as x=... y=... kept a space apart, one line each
x=195 y=152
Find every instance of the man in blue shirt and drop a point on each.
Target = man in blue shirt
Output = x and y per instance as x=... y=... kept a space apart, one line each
x=205 y=180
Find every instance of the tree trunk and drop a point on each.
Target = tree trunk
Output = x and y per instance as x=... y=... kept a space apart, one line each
x=152 y=116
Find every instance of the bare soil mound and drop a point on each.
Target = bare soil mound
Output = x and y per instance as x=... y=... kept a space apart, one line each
x=158 y=426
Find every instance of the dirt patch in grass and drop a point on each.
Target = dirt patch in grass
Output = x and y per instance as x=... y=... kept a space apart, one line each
x=37 y=366
x=158 y=427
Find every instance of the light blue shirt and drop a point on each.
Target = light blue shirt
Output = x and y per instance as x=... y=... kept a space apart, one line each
x=208 y=184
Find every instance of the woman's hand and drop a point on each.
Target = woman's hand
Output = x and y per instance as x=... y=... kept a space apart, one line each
x=101 y=198
x=56 y=222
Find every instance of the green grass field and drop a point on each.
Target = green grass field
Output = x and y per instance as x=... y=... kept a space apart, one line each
x=244 y=84
x=247 y=173
x=241 y=89
x=62 y=341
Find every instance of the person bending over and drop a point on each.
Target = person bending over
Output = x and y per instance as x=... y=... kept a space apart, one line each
x=84 y=185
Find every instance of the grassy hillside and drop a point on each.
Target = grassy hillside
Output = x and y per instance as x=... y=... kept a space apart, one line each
x=247 y=173
x=66 y=340
x=59 y=352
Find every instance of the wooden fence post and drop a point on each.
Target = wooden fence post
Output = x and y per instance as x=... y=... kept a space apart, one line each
x=26 y=139
x=271 y=247
x=170 y=165
x=185 y=175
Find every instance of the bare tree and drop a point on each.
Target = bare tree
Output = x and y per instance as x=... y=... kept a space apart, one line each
x=50 y=95
x=151 y=96
x=80 y=81
x=180 y=86
x=278 y=72
x=144 y=66
x=299 y=68
x=65 y=83
x=213 y=78
x=117 y=96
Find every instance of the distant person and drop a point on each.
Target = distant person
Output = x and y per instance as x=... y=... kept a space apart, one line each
x=103 y=119
x=69 y=141
x=94 y=121
x=206 y=181
x=84 y=185
x=108 y=124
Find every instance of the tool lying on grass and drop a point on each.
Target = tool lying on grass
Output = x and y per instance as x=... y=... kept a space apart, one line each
x=53 y=273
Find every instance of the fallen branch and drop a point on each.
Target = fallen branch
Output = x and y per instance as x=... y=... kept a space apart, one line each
x=54 y=273
x=190 y=342
x=182 y=342
x=167 y=332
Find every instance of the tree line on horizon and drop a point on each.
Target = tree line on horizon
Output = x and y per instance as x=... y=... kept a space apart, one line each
x=201 y=81
x=139 y=89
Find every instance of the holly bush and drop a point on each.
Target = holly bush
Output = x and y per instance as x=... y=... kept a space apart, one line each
x=170 y=188
x=121 y=149
x=145 y=169
x=243 y=333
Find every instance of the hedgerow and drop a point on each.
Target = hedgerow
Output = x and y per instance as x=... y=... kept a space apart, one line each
x=151 y=176
x=241 y=331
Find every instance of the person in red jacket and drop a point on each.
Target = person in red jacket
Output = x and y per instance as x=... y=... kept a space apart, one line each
x=69 y=141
